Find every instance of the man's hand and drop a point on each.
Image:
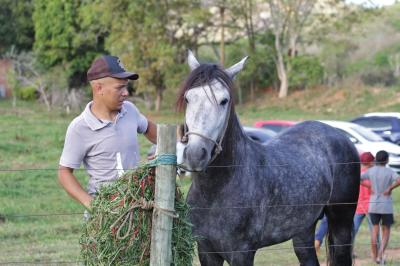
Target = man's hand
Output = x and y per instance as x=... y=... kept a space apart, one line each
x=69 y=182
x=387 y=192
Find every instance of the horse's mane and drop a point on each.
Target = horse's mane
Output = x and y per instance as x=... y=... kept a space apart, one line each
x=204 y=74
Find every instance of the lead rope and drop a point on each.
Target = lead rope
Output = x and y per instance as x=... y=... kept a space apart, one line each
x=218 y=146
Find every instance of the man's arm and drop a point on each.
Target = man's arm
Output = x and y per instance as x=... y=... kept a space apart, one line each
x=69 y=182
x=365 y=183
x=151 y=133
x=388 y=191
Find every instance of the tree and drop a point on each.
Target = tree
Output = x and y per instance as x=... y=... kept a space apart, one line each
x=64 y=37
x=244 y=12
x=152 y=38
x=287 y=19
x=16 y=27
x=25 y=73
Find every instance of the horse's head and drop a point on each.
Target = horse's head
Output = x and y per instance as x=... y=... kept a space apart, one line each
x=207 y=95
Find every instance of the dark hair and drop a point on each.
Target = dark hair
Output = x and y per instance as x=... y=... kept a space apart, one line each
x=382 y=157
x=202 y=75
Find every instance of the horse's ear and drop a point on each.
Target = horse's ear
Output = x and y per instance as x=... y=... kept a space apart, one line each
x=192 y=61
x=233 y=70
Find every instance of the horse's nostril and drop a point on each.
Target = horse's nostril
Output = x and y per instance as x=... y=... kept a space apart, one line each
x=203 y=153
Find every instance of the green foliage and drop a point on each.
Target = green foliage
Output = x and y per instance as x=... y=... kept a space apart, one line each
x=27 y=93
x=64 y=36
x=259 y=71
x=150 y=37
x=16 y=26
x=305 y=71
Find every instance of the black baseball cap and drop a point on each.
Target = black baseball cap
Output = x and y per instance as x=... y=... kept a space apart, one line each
x=109 y=66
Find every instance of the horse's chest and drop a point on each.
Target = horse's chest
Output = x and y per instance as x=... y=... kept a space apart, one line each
x=220 y=217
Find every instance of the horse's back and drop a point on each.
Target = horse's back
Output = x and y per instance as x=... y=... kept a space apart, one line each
x=315 y=146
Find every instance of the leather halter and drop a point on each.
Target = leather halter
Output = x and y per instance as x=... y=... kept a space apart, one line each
x=217 y=144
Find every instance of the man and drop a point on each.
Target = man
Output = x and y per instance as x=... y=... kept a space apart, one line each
x=382 y=181
x=104 y=136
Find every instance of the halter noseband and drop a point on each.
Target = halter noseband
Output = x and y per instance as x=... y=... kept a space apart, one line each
x=218 y=146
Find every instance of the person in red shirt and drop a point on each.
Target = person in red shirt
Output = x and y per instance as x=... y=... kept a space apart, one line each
x=367 y=161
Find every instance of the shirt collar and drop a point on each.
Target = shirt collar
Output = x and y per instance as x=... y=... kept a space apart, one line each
x=94 y=123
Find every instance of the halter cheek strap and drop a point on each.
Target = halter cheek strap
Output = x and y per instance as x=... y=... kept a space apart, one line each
x=218 y=146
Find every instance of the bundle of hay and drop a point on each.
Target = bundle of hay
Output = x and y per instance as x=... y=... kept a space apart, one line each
x=118 y=231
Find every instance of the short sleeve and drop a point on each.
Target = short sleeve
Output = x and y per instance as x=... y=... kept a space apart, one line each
x=74 y=149
x=142 y=123
x=365 y=175
x=141 y=120
x=394 y=177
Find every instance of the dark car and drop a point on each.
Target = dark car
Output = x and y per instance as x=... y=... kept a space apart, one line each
x=259 y=135
x=387 y=125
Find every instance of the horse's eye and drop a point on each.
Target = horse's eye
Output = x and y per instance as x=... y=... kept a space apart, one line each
x=186 y=100
x=224 y=101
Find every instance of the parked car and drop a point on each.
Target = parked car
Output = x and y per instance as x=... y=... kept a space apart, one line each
x=259 y=135
x=386 y=125
x=366 y=140
x=275 y=125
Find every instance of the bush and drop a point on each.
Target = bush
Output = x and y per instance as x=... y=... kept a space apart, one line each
x=378 y=77
x=27 y=93
x=305 y=71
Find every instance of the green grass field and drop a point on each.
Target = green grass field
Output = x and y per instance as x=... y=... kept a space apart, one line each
x=40 y=224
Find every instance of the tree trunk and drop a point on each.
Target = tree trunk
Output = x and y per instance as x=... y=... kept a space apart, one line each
x=281 y=68
x=43 y=95
x=283 y=89
x=148 y=101
x=158 y=100
x=222 y=44
x=252 y=96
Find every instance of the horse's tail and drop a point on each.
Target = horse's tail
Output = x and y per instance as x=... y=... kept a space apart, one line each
x=341 y=208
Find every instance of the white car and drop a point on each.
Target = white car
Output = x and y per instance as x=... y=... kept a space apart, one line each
x=367 y=141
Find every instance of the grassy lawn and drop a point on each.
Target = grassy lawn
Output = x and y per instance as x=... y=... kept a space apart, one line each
x=42 y=224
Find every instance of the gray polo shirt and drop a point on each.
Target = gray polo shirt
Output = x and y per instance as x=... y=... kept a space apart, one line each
x=381 y=178
x=105 y=148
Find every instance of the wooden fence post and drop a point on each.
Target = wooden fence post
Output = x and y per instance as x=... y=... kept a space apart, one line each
x=161 y=232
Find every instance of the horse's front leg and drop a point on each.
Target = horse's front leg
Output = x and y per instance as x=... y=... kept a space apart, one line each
x=208 y=256
x=245 y=258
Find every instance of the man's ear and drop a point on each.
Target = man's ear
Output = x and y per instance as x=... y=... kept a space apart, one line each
x=97 y=87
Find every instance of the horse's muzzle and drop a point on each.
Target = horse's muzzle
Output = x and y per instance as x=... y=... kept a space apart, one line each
x=195 y=158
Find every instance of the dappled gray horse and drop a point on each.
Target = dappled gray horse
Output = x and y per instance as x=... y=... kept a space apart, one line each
x=246 y=196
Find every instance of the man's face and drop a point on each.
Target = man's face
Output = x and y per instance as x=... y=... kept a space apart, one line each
x=112 y=92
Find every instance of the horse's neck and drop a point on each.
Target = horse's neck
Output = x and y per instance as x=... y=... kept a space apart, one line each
x=233 y=147
x=223 y=168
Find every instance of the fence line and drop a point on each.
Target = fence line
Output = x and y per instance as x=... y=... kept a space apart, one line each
x=179 y=166
x=41 y=262
x=201 y=208
x=263 y=249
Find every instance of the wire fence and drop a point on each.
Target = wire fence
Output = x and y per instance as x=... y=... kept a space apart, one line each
x=179 y=166
x=258 y=251
x=268 y=249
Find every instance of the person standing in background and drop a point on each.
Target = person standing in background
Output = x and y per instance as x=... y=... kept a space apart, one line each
x=367 y=161
x=382 y=181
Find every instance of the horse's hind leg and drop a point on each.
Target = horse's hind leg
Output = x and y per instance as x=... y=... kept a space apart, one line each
x=340 y=224
x=303 y=245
